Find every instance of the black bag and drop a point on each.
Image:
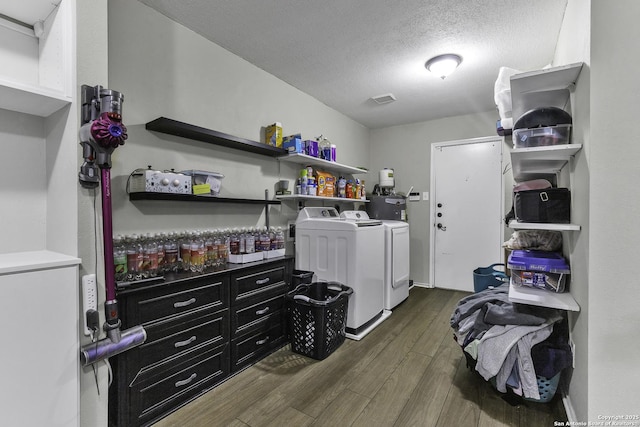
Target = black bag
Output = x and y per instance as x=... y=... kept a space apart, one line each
x=551 y=205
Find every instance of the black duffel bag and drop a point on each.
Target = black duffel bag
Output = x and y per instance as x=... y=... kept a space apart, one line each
x=550 y=205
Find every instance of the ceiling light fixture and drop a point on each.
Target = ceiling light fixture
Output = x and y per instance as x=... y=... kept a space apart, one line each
x=443 y=65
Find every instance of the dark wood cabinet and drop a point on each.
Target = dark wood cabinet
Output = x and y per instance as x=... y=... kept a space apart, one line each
x=201 y=329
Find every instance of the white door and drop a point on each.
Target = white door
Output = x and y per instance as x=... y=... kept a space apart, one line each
x=466 y=210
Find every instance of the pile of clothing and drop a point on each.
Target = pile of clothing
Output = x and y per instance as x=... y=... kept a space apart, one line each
x=511 y=344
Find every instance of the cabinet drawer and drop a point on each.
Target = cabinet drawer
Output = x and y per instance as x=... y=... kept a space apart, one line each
x=174 y=335
x=156 y=398
x=256 y=311
x=244 y=285
x=157 y=304
x=251 y=347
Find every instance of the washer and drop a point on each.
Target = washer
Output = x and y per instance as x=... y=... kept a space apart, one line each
x=396 y=258
x=350 y=252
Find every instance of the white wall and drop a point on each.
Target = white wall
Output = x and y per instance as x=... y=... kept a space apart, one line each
x=614 y=294
x=407 y=149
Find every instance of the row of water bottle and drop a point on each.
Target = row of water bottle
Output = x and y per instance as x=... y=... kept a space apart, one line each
x=143 y=256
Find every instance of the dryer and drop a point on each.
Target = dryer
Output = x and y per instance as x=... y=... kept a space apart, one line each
x=347 y=251
x=396 y=258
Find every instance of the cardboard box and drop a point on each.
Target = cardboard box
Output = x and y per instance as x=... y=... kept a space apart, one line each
x=326 y=184
x=293 y=145
x=273 y=135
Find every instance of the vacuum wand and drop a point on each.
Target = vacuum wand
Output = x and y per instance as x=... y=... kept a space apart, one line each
x=102 y=131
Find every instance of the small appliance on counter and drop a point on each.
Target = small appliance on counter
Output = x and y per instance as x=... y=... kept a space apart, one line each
x=384 y=203
x=152 y=181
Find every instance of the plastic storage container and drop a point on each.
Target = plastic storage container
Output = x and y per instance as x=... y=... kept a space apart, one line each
x=317 y=318
x=488 y=277
x=214 y=179
x=542 y=136
x=538 y=269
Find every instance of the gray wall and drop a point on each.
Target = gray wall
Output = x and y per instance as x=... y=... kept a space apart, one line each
x=574 y=46
x=407 y=149
x=167 y=70
x=614 y=322
x=163 y=69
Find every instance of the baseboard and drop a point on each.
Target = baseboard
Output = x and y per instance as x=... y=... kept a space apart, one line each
x=568 y=408
x=421 y=285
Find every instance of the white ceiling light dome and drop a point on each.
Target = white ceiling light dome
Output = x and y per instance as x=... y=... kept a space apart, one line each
x=443 y=65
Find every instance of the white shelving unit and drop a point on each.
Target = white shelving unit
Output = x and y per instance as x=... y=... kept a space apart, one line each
x=532 y=162
x=539 y=226
x=303 y=159
x=35 y=78
x=542 y=298
x=300 y=197
x=550 y=87
x=545 y=88
x=38 y=222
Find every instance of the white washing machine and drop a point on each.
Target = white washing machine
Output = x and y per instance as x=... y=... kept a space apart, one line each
x=350 y=252
x=396 y=258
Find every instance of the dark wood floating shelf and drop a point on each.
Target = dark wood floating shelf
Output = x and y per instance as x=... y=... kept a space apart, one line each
x=194 y=198
x=184 y=130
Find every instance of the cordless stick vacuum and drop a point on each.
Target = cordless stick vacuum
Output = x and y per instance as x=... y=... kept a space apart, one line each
x=101 y=133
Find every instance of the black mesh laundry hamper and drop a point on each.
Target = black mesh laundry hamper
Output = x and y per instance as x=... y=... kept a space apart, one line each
x=317 y=318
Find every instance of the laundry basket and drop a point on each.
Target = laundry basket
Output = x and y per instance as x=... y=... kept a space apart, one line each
x=317 y=318
x=300 y=276
x=485 y=277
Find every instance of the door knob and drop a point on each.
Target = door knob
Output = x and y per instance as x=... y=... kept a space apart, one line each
x=439 y=214
x=439 y=205
x=442 y=227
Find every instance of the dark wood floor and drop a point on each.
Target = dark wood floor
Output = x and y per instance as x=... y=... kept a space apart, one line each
x=407 y=372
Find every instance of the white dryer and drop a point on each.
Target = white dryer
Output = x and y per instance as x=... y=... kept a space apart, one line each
x=396 y=258
x=346 y=251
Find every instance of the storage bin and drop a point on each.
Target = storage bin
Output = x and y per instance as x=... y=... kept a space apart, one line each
x=487 y=277
x=214 y=179
x=547 y=387
x=542 y=136
x=538 y=269
x=317 y=318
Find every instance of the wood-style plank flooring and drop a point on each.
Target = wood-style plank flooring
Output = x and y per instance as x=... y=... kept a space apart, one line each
x=406 y=372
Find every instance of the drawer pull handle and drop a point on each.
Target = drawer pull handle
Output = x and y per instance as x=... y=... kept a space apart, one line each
x=185 y=342
x=184 y=303
x=262 y=281
x=261 y=342
x=187 y=381
x=263 y=311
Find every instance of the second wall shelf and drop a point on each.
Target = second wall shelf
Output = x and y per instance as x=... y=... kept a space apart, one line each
x=195 y=198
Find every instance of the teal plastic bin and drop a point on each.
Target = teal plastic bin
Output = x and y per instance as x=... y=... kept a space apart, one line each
x=485 y=277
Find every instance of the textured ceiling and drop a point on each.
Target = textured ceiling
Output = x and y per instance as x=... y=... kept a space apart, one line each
x=343 y=52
